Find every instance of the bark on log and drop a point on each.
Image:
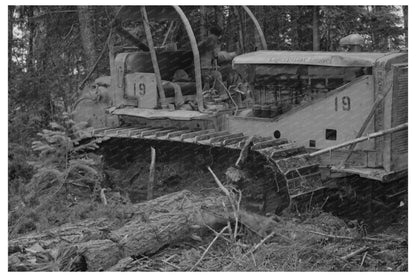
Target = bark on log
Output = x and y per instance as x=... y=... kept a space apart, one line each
x=98 y=255
x=66 y=234
x=93 y=247
x=149 y=231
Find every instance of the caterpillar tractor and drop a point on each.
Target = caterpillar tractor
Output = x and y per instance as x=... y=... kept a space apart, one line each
x=295 y=127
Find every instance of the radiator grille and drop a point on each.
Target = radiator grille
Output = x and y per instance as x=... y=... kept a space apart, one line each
x=400 y=104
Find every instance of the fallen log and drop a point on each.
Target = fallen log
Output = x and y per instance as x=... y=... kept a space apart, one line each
x=90 y=229
x=153 y=225
x=95 y=245
x=149 y=232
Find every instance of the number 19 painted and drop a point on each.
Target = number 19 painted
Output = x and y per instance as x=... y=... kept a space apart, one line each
x=345 y=102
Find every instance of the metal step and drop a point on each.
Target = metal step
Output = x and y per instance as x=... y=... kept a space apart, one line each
x=282 y=153
x=219 y=140
x=127 y=132
x=208 y=136
x=189 y=136
x=164 y=132
x=174 y=134
x=269 y=143
x=150 y=132
x=234 y=142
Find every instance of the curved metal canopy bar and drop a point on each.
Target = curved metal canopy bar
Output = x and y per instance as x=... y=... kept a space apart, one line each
x=197 y=62
x=259 y=30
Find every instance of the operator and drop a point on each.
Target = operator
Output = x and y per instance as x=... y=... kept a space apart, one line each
x=211 y=54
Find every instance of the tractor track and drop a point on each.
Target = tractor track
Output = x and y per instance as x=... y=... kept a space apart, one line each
x=281 y=167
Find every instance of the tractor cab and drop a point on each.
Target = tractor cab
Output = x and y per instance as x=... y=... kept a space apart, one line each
x=153 y=72
x=136 y=82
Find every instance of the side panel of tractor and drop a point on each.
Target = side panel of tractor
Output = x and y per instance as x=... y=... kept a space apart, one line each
x=326 y=122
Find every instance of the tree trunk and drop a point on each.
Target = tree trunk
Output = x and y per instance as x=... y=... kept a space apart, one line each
x=298 y=28
x=31 y=26
x=406 y=32
x=203 y=24
x=86 y=23
x=249 y=32
x=276 y=30
x=260 y=17
x=264 y=20
x=239 y=25
x=219 y=16
x=375 y=43
x=10 y=34
x=315 y=28
x=329 y=40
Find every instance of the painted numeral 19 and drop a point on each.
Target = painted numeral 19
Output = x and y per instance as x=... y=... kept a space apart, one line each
x=345 y=103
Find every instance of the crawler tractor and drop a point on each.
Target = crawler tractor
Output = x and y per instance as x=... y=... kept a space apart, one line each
x=298 y=127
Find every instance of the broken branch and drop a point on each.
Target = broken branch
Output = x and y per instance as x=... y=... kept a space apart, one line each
x=102 y=196
x=227 y=193
x=362 y=261
x=209 y=246
x=151 y=183
x=260 y=243
x=343 y=237
x=244 y=152
x=356 y=252
x=234 y=205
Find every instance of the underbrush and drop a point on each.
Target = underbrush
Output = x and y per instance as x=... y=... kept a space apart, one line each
x=60 y=184
x=19 y=171
x=387 y=252
x=62 y=210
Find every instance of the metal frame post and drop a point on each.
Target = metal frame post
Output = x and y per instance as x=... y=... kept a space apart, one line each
x=154 y=58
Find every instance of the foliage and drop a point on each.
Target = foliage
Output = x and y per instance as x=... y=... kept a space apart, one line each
x=19 y=170
x=62 y=159
x=290 y=27
x=64 y=173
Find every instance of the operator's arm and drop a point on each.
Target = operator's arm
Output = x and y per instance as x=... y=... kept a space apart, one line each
x=224 y=56
x=207 y=45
